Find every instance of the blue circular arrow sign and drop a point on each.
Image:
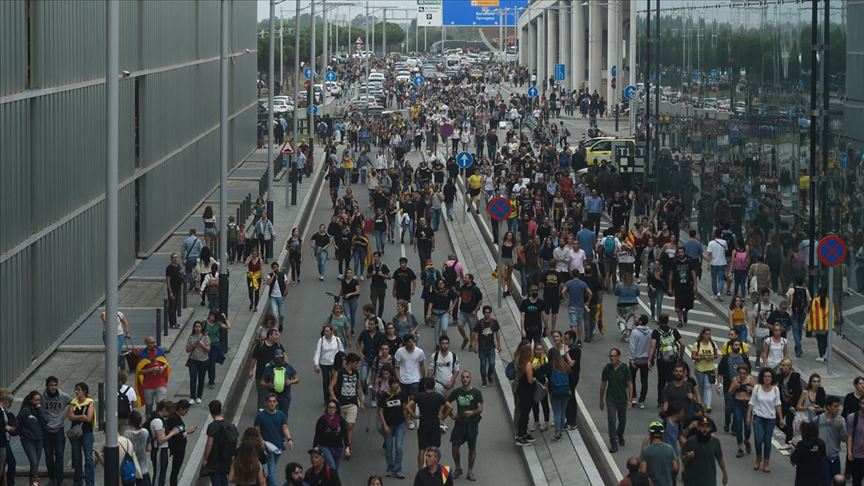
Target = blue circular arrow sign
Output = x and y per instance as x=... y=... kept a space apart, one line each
x=464 y=160
x=630 y=92
x=532 y=91
x=307 y=73
x=312 y=109
x=418 y=81
x=331 y=76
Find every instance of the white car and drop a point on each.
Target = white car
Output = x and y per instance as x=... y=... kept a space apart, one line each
x=376 y=76
x=280 y=106
x=403 y=76
x=333 y=88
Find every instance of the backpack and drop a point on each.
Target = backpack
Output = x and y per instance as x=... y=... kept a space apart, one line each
x=510 y=370
x=430 y=277
x=226 y=442
x=450 y=274
x=799 y=300
x=124 y=407
x=740 y=260
x=279 y=377
x=609 y=247
x=667 y=350
x=127 y=469
x=560 y=384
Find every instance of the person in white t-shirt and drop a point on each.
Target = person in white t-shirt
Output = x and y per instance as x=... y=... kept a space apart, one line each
x=444 y=367
x=122 y=334
x=577 y=257
x=160 y=438
x=561 y=259
x=717 y=251
x=410 y=363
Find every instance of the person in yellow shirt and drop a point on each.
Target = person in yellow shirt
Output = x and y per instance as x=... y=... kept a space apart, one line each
x=347 y=167
x=475 y=185
x=704 y=354
x=81 y=414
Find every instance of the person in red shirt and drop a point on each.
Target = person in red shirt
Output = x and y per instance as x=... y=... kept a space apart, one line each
x=637 y=473
x=151 y=375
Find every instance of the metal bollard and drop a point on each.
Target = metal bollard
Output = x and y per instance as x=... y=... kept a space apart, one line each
x=224 y=281
x=270 y=214
x=158 y=327
x=185 y=293
x=100 y=405
x=165 y=313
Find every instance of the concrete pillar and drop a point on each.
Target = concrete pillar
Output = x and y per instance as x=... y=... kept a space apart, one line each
x=523 y=41
x=531 y=46
x=631 y=44
x=577 y=27
x=613 y=44
x=551 y=42
x=540 y=47
x=595 y=46
x=564 y=41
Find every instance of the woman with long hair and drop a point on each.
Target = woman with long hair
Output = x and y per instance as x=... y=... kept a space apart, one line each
x=361 y=250
x=325 y=352
x=541 y=374
x=811 y=403
x=741 y=388
x=774 y=349
x=213 y=328
x=140 y=438
x=704 y=353
x=31 y=426
x=331 y=434
x=246 y=470
x=404 y=321
x=763 y=411
x=341 y=326
x=204 y=266
x=349 y=291
x=294 y=245
x=557 y=370
x=82 y=412
x=740 y=265
x=820 y=321
x=198 y=347
x=524 y=396
x=209 y=227
x=738 y=317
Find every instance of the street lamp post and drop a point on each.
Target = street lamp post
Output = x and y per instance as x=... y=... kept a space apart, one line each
x=223 y=137
x=310 y=98
x=294 y=117
x=270 y=87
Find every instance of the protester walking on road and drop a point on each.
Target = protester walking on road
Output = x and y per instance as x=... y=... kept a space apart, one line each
x=265 y=234
x=665 y=350
x=466 y=413
x=213 y=327
x=832 y=431
x=55 y=402
x=485 y=340
x=704 y=354
x=294 y=245
x=253 y=279
x=349 y=291
x=660 y=457
x=320 y=473
x=246 y=469
x=31 y=428
x=177 y=444
x=701 y=454
x=278 y=284
x=278 y=378
x=616 y=396
x=819 y=323
x=273 y=425
x=198 y=347
x=763 y=412
x=331 y=435
x=808 y=456
x=433 y=472
x=151 y=375
x=639 y=344
x=855 y=444
x=325 y=351
x=391 y=416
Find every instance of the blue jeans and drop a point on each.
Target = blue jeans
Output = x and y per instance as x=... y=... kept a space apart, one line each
x=436 y=218
x=322 y=258
x=763 y=428
x=333 y=457
x=83 y=446
x=449 y=207
x=54 y=444
x=830 y=468
x=189 y=267
x=359 y=262
x=277 y=308
x=559 y=407
x=718 y=279
x=350 y=306
x=393 y=448
x=272 y=459
x=487 y=364
x=742 y=433
x=706 y=387
x=219 y=479
x=742 y=332
x=380 y=238
x=797 y=326
x=441 y=326
x=656 y=301
x=391 y=227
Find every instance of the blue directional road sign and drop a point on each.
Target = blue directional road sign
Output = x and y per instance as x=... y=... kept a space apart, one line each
x=560 y=72
x=696 y=76
x=801 y=85
x=418 y=81
x=532 y=91
x=844 y=161
x=630 y=92
x=313 y=109
x=331 y=76
x=477 y=13
x=714 y=73
x=614 y=71
x=464 y=160
x=307 y=73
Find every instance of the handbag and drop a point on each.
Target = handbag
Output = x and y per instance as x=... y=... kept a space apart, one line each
x=540 y=391
x=75 y=431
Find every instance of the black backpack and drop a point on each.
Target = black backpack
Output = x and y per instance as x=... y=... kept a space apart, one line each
x=450 y=275
x=226 y=442
x=124 y=405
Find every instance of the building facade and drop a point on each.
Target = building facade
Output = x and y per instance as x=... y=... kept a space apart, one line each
x=52 y=150
x=854 y=105
x=591 y=38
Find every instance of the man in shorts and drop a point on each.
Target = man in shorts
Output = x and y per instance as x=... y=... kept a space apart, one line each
x=432 y=413
x=470 y=301
x=345 y=388
x=552 y=297
x=578 y=294
x=682 y=284
x=468 y=411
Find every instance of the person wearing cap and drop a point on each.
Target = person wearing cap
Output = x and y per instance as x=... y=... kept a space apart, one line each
x=701 y=454
x=659 y=456
x=319 y=473
x=278 y=377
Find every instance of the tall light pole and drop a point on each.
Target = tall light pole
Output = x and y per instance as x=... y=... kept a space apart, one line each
x=310 y=98
x=325 y=56
x=223 y=135
x=271 y=71
x=384 y=35
x=294 y=116
x=281 y=52
x=112 y=159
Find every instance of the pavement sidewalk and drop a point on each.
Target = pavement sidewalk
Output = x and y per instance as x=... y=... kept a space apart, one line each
x=73 y=364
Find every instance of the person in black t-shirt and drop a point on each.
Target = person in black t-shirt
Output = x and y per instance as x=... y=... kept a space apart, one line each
x=174 y=283
x=470 y=301
x=682 y=284
x=424 y=241
x=449 y=197
x=391 y=413
x=533 y=320
x=378 y=273
x=431 y=413
x=552 y=295
x=404 y=281
x=485 y=340
x=320 y=243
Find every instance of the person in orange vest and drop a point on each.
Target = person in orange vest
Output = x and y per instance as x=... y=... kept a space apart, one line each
x=818 y=322
x=434 y=474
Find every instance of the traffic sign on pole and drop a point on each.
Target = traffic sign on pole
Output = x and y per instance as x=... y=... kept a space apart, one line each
x=307 y=73
x=629 y=92
x=532 y=91
x=313 y=109
x=831 y=251
x=464 y=160
x=331 y=76
x=418 y=81
x=560 y=72
x=499 y=209
x=614 y=71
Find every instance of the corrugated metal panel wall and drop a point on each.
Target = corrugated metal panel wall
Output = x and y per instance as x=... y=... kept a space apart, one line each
x=13 y=49
x=15 y=173
x=52 y=147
